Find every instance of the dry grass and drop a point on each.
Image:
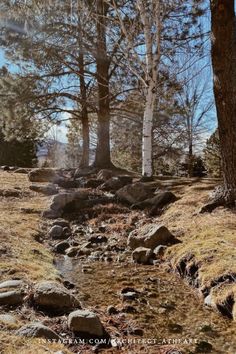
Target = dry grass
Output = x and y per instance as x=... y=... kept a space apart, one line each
x=22 y=256
x=209 y=238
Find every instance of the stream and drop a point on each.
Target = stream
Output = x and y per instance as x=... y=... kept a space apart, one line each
x=166 y=311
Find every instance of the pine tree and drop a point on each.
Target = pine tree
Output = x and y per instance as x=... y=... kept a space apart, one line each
x=73 y=149
x=212 y=156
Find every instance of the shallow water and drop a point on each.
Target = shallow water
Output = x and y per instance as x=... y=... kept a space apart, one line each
x=167 y=309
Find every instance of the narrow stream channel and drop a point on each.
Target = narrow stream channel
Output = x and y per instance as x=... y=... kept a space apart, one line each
x=166 y=309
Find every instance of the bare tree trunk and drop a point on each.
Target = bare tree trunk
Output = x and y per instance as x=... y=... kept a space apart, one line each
x=147 y=169
x=84 y=162
x=224 y=67
x=102 y=157
x=190 y=159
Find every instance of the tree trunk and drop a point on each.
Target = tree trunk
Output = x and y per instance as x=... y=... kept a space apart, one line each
x=102 y=157
x=190 y=159
x=147 y=170
x=224 y=67
x=84 y=162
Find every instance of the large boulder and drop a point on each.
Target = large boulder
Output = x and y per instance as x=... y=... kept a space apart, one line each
x=142 y=255
x=43 y=175
x=37 y=330
x=115 y=183
x=54 y=296
x=134 y=193
x=49 y=189
x=61 y=200
x=151 y=236
x=160 y=200
x=85 y=321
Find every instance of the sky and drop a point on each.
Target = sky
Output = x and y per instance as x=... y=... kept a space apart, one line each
x=61 y=131
x=58 y=131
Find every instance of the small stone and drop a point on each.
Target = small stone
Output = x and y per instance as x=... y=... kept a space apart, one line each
x=175 y=328
x=56 y=232
x=61 y=222
x=37 y=330
x=61 y=247
x=85 y=321
x=97 y=239
x=11 y=284
x=72 y=251
x=159 y=251
x=129 y=309
x=8 y=319
x=142 y=255
x=203 y=347
x=137 y=332
x=208 y=301
x=111 y=310
x=129 y=294
x=14 y=297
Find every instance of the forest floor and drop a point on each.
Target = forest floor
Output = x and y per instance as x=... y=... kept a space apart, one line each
x=169 y=311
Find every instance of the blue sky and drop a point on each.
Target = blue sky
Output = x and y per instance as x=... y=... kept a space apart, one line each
x=61 y=131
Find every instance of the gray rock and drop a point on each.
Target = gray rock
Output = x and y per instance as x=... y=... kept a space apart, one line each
x=10 y=193
x=115 y=183
x=97 y=239
x=61 y=222
x=158 y=201
x=72 y=251
x=61 y=247
x=8 y=319
x=134 y=193
x=159 y=250
x=54 y=296
x=142 y=255
x=151 y=236
x=85 y=321
x=14 y=297
x=56 y=232
x=208 y=301
x=61 y=200
x=43 y=175
x=21 y=170
x=37 y=330
x=49 y=189
x=11 y=284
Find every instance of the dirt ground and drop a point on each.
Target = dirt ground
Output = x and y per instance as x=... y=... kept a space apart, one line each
x=169 y=308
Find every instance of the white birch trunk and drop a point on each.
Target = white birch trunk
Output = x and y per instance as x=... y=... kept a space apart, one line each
x=147 y=133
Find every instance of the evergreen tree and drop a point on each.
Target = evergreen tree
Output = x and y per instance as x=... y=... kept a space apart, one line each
x=73 y=149
x=212 y=156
